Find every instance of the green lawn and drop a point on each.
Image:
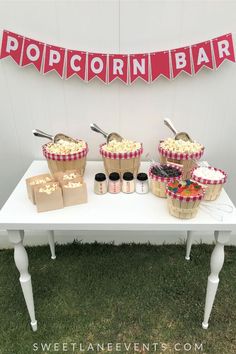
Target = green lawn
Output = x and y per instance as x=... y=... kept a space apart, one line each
x=99 y=293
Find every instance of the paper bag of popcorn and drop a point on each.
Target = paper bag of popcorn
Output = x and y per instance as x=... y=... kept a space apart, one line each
x=74 y=192
x=67 y=176
x=36 y=181
x=48 y=197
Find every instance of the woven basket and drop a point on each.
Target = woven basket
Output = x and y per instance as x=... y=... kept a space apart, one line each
x=184 y=159
x=183 y=207
x=213 y=188
x=158 y=184
x=121 y=162
x=59 y=162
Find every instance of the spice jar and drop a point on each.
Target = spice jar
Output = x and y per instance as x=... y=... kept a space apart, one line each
x=128 y=182
x=142 y=183
x=114 y=185
x=100 y=183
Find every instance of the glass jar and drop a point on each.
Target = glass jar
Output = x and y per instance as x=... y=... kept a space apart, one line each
x=100 y=183
x=128 y=183
x=142 y=183
x=114 y=185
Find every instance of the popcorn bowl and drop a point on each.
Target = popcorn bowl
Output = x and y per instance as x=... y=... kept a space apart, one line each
x=121 y=162
x=187 y=160
x=62 y=162
x=213 y=187
x=183 y=207
x=158 y=184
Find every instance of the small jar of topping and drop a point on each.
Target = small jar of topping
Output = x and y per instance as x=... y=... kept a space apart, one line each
x=100 y=183
x=114 y=185
x=128 y=182
x=142 y=183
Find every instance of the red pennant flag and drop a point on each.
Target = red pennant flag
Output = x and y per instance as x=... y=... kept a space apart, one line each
x=54 y=59
x=139 y=67
x=202 y=56
x=118 y=67
x=223 y=49
x=76 y=64
x=160 y=65
x=11 y=46
x=181 y=61
x=97 y=66
x=32 y=53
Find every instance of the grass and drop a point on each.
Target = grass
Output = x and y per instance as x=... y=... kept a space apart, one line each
x=100 y=293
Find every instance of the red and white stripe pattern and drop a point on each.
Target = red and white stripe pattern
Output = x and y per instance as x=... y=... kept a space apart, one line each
x=181 y=156
x=165 y=179
x=209 y=181
x=120 y=156
x=186 y=199
x=64 y=157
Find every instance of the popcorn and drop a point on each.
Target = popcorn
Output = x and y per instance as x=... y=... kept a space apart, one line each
x=40 y=181
x=64 y=147
x=121 y=146
x=181 y=146
x=69 y=176
x=48 y=188
x=208 y=173
x=72 y=185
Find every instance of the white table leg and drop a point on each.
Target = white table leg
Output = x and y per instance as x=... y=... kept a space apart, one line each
x=217 y=261
x=189 y=245
x=52 y=244
x=22 y=262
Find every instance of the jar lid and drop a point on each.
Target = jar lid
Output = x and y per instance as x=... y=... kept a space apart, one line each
x=128 y=176
x=114 y=176
x=142 y=176
x=100 y=177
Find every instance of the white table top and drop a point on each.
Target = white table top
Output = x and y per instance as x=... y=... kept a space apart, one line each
x=106 y=212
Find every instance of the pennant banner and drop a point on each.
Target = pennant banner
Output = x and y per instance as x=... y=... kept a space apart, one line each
x=112 y=67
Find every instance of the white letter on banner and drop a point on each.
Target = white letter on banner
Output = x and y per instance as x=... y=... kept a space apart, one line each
x=30 y=48
x=118 y=66
x=180 y=59
x=12 y=44
x=202 y=57
x=54 y=57
x=137 y=66
x=223 y=47
x=100 y=65
x=72 y=62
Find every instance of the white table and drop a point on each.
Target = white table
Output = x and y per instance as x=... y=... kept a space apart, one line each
x=109 y=212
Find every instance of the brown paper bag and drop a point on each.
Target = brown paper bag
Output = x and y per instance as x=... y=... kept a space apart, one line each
x=34 y=182
x=45 y=201
x=74 y=195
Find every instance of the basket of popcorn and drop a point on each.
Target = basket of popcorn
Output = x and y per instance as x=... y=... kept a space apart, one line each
x=211 y=178
x=183 y=198
x=161 y=175
x=181 y=152
x=66 y=155
x=121 y=156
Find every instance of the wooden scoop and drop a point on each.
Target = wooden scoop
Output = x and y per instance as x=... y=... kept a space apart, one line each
x=178 y=136
x=54 y=139
x=109 y=137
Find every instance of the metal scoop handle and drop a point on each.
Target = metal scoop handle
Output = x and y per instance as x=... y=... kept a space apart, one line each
x=42 y=134
x=96 y=129
x=170 y=125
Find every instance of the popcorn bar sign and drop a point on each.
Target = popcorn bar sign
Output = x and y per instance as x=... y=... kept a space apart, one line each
x=124 y=67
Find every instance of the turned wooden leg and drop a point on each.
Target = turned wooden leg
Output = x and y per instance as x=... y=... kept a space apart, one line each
x=217 y=261
x=21 y=261
x=52 y=244
x=189 y=245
